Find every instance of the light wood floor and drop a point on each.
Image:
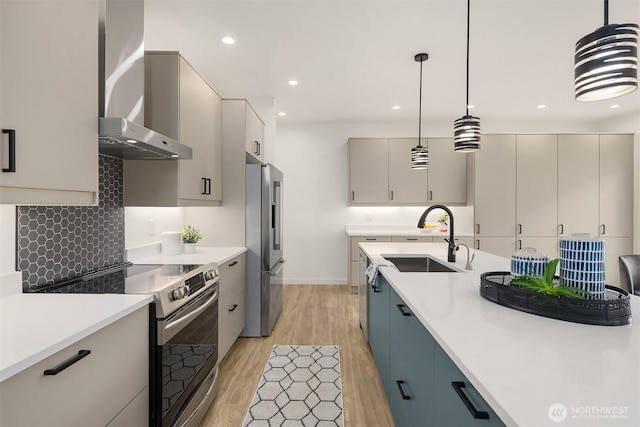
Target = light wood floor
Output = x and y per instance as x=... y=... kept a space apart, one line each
x=312 y=315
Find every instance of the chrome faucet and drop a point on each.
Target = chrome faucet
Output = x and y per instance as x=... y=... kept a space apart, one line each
x=451 y=252
x=469 y=265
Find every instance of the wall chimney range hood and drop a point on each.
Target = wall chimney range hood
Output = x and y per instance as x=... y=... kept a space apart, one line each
x=121 y=93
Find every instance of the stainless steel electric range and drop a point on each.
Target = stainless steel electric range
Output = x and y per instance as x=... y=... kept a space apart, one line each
x=183 y=351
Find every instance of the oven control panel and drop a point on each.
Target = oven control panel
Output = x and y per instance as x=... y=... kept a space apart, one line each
x=181 y=291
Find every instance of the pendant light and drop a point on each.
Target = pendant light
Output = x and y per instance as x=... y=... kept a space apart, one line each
x=420 y=154
x=466 y=130
x=606 y=61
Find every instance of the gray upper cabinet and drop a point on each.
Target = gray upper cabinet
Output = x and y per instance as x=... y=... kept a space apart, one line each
x=368 y=171
x=380 y=173
x=49 y=86
x=406 y=185
x=181 y=105
x=495 y=186
x=578 y=184
x=447 y=173
x=616 y=185
x=254 y=135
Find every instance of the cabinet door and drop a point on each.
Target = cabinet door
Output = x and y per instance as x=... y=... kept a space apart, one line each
x=616 y=185
x=501 y=246
x=495 y=186
x=578 y=184
x=49 y=86
x=254 y=137
x=379 y=327
x=537 y=185
x=447 y=173
x=213 y=158
x=411 y=366
x=406 y=185
x=197 y=107
x=450 y=408
x=544 y=245
x=368 y=171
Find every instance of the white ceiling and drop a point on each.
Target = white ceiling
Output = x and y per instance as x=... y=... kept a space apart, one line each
x=354 y=58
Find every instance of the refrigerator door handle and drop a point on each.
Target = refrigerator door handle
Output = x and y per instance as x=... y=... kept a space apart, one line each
x=279 y=266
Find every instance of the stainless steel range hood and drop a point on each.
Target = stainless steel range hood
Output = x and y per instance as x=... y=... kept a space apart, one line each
x=121 y=95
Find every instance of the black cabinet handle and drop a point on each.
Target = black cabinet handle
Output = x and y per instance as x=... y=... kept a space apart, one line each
x=12 y=150
x=519 y=244
x=55 y=371
x=478 y=244
x=412 y=238
x=519 y=228
x=353 y=195
x=430 y=195
x=561 y=228
x=233 y=307
x=371 y=239
x=401 y=307
x=209 y=186
x=204 y=185
x=257 y=149
x=478 y=415
x=603 y=229
x=391 y=194
x=375 y=288
x=404 y=395
x=233 y=263
x=477 y=228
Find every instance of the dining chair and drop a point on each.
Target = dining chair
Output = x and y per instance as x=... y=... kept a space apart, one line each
x=630 y=273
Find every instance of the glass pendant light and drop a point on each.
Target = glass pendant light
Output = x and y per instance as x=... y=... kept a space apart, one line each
x=606 y=61
x=420 y=154
x=466 y=130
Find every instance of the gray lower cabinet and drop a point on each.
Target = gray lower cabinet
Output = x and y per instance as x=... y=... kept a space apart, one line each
x=379 y=327
x=423 y=385
x=231 y=314
x=456 y=403
x=411 y=394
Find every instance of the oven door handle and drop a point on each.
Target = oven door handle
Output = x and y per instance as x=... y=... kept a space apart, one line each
x=192 y=314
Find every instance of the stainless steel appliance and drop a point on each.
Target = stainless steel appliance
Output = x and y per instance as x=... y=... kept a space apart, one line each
x=264 y=249
x=183 y=331
x=121 y=87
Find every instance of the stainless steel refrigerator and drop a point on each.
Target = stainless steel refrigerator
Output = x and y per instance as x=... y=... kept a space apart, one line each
x=264 y=249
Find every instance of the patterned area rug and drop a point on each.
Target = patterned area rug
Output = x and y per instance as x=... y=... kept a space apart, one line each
x=300 y=386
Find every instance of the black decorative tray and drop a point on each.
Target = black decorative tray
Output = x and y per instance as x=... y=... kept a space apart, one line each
x=613 y=310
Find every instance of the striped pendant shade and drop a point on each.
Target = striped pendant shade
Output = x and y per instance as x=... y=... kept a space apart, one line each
x=466 y=130
x=606 y=61
x=466 y=134
x=419 y=157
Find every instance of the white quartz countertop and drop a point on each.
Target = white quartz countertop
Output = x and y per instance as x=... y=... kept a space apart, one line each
x=355 y=230
x=522 y=363
x=203 y=255
x=35 y=326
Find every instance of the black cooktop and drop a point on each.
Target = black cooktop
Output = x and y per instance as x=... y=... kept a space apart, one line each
x=119 y=279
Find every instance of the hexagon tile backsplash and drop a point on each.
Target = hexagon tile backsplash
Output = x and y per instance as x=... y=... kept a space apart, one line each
x=60 y=242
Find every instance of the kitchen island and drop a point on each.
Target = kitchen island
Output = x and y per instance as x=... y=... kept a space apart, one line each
x=523 y=365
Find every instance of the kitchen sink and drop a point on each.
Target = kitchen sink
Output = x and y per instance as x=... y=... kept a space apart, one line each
x=419 y=264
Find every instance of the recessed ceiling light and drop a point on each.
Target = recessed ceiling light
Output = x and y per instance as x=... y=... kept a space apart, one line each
x=541 y=106
x=228 y=40
x=396 y=107
x=615 y=106
x=293 y=82
x=132 y=141
x=175 y=156
x=470 y=106
x=282 y=113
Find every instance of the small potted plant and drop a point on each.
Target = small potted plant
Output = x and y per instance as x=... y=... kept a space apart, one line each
x=443 y=221
x=190 y=236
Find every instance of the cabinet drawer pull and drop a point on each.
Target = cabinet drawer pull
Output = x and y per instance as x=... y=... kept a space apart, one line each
x=375 y=288
x=603 y=229
x=233 y=307
x=519 y=244
x=371 y=238
x=401 y=307
x=209 y=184
x=477 y=228
x=404 y=395
x=353 y=195
x=55 y=371
x=519 y=228
x=478 y=244
x=412 y=238
x=12 y=150
x=391 y=194
x=561 y=228
x=204 y=185
x=233 y=263
x=257 y=149
x=430 y=195
x=478 y=415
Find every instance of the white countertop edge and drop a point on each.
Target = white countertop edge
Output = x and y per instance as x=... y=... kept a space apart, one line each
x=357 y=230
x=137 y=302
x=203 y=255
